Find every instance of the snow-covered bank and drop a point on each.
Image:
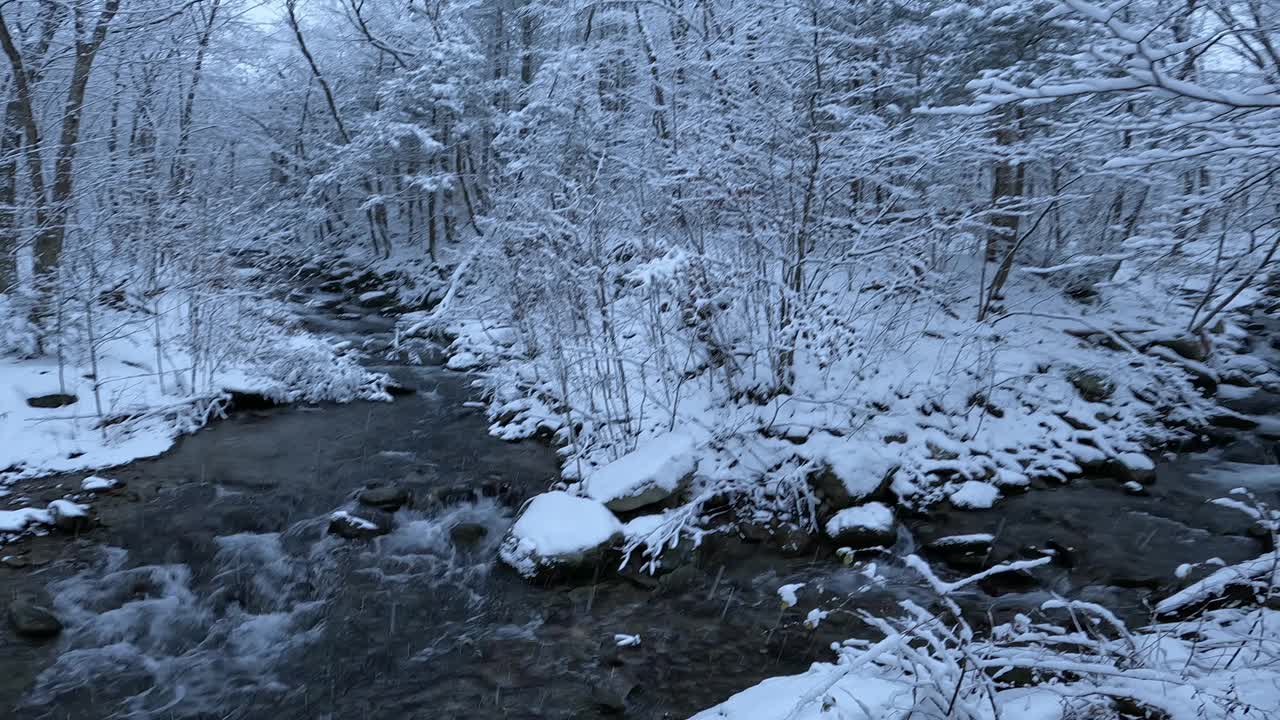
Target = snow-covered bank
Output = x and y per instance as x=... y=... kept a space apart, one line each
x=922 y=407
x=1075 y=660
x=142 y=380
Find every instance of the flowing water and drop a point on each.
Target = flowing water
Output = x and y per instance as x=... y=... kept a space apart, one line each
x=214 y=591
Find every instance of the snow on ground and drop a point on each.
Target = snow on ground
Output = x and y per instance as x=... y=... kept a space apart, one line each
x=1219 y=666
x=556 y=530
x=139 y=400
x=922 y=397
x=17 y=521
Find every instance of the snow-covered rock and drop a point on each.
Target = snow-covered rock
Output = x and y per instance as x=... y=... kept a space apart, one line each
x=97 y=483
x=861 y=694
x=559 y=532
x=463 y=361
x=975 y=495
x=1135 y=467
x=863 y=526
x=355 y=527
x=651 y=473
x=69 y=516
x=848 y=473
x=17 y=521
x=962 y=552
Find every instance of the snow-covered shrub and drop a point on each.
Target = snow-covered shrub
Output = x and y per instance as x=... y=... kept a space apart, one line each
x=17 y=334
x=310 y=371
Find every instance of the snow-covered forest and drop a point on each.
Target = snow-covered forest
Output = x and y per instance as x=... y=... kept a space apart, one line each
x=820 y=277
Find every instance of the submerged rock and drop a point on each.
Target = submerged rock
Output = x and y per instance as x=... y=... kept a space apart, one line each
x=32 y=618
x=384 y=497
x=559 y=533
x=611 y=692
x=467 y=533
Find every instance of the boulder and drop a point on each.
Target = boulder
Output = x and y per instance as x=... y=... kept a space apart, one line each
x=611 y=691
x=1251 y=450
x=1133 y=467
x=97 y=483
x=70 y=517
x=361 y=526
x=657 y=469
x=467 y=533
x=863 y=526
x=384 y=497
x=30 y=617
x=1191 y=348
x=1092 y=386
x=974 y=495
x=849 y=474
x=54 y=400
x=559 y=533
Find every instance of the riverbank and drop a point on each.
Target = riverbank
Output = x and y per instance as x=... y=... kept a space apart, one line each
x=227 y=535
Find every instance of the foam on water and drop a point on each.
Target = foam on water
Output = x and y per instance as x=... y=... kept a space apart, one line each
x=164 y=641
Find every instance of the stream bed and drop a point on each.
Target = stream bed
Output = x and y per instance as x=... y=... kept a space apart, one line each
x=211 y=588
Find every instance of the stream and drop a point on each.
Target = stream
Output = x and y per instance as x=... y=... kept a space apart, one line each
x=211 y=588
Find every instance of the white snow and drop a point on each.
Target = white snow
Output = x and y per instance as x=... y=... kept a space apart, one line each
x=17 y=521
x=68 y=509
x=353 y=520
x=97 y=482
x=654 y=469
x=372 y=295
x=142 y=405
x=624 y=640
x=1136 y=461
x=975 y=495
x=787 y=593
x=556 y=527
x=971 y=539
x=463 y=361
x=872 y=516
x=1255 y=570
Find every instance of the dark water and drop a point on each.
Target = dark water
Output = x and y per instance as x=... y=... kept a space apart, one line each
x=215 y=592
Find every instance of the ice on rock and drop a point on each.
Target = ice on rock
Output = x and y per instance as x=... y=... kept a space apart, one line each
x=559 y=531
x=651 y=473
